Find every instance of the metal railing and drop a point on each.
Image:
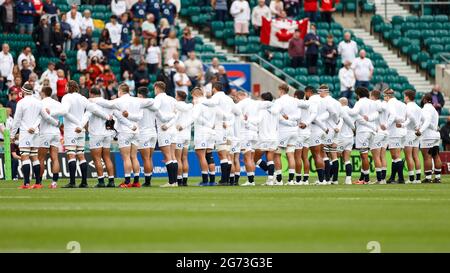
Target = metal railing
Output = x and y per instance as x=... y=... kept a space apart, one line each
x=445 y=57
x=261 y=62
x=422 y=4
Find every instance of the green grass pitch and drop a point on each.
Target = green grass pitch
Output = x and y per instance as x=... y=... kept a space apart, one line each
x=342 y=218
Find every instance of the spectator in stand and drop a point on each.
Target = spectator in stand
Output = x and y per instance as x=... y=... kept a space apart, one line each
x=42 y=35
x=16 y=71
x=94 y=69
x=57 y=40
x=82 y=59
x=25 y=71
x=74 y=20
x=296 y=50
x=347 y=80
x=212 y=70
x=127 y=29
x=154 y=7
x=139 y=10
x=194 y=69
x=140 y=76
x=109 y=82
x=181 y=80
x=51 y=75
x=329 y=54
x=326 y=10
x=84 y=89
x=187 y=43
x=17 y=88
x=222 y=77
x=128 y=63
x=292 y=8
x=115 y=30
x=12 y=101
x=148 y=27
x=39 y=8
x=67 y=30
x=118 y=7
x=437 y=98
x=61 y=84
x=170 y=45
x=86 y=21
x=240 y=10
x=221 y=9
x=363 y=69
x=169 y=11
x=164 y=30
x=348 y=49
x=129 y=81
x=153 y=57
x=28 y=55
x=6 y=66
x=105 y=43
x=63 y=65
x=259 y=11
x=310 y=8
x=276 y=7
x=445 y=135
x=137 y=50
x=87 y=38
x=25 y=11
x=8 y=16
x=312 y=49
x=52 y=11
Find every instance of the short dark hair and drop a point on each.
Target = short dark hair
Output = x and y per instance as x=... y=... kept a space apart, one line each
x=299 y=94
x=376 y=94
x=427 y=98
x=47 y=90
x=310 y=88
x=182 y=95
x=411 y=94
x=267 y=96
x=362 y=92
x=143 y=90
x=95 y=91
x=217 y=86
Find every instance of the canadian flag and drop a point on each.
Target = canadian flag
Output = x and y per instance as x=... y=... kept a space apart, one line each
x=278 y=32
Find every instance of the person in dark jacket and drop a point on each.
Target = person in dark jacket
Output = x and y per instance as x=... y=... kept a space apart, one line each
x=58 y=39
x=25 y=11
x=42 y=35
x=8 y=16
x=445 y=135
x=128 y=63
x=187 y=43
x=141 y=76
x=312 y=43
x=63 y=65
x=329 y=54
x=437 y=98
x=222 y=77
x=51 y=10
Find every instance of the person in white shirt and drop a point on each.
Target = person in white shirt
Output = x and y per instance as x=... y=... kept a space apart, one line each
x=115 y=30
x=118 y=7
x=166 y=131
x=363 y=69
x=86 y=21
x=346 y=139
x=288 y=130
x=430 y=140
x=183 y=137
x=412 y=124
x=27 y=55
x=74 y=20
x=347 y=48
x=240 y=10
x=194 y=68
x=148 y=27
x=181 y=80
x=51 y=75
x=6 y=65
x=95 y=52
x=82 y=58
x=259 y=11
x=27 y=118
x=153 y=57
x=347 y=81
x=397 y=114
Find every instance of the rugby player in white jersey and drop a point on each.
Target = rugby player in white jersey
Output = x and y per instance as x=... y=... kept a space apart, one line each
x=249 y=134
x=365 y=129
x=127 y=138
x=100 y=138
x=430 y=140
x=203 y=119
x=380 y=140
x=166 y=131
x=397 y=114
x=318 y=131
x=27 y=118
x=183 y=137
x=50 y=135
x=334 y=124
x=345 y=139
x=412 y=141
x=235 y=150
x=74 y=133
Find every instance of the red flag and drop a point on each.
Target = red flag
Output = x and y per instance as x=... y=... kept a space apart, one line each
x=277 y=33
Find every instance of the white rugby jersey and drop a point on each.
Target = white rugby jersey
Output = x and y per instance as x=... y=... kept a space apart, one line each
x=365 y=107
x=413 y=117
x=397 y=113
x=249 y=126
x=382 y=117
x=430 y=122
x=348 y=124
x=307 y=117
x=29 y=114
x=224 y=106
x=184 y=110
x=203 y=118
x=334 y=112
x=75 y=105
x=289 y=106
x=317 y=122
x=56 y=109
x=96 y=116
x=167 y=109
x=268 y=126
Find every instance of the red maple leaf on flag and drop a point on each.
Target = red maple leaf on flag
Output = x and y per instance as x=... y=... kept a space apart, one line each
x=284 y=35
